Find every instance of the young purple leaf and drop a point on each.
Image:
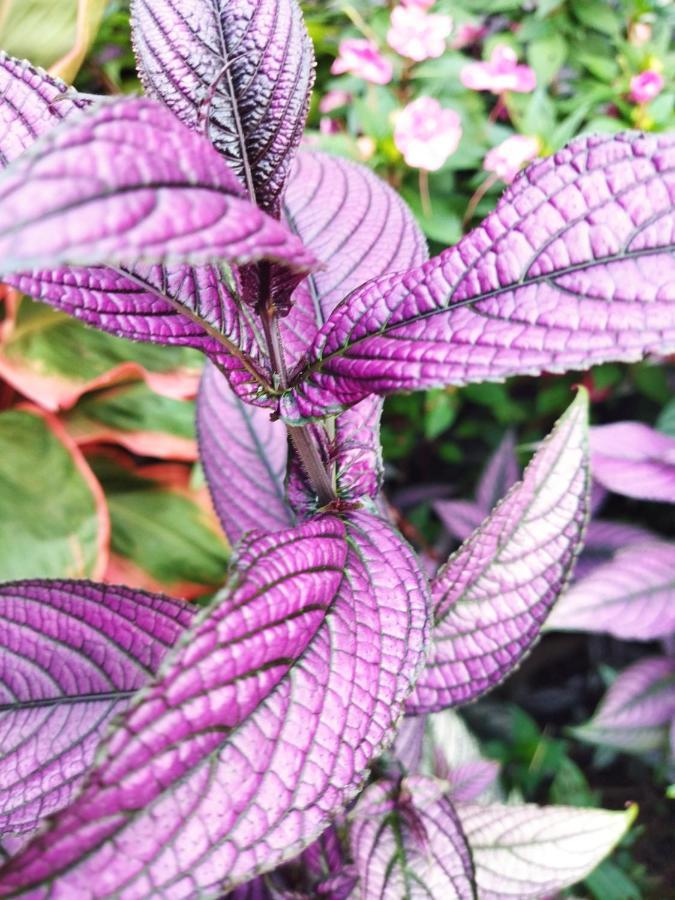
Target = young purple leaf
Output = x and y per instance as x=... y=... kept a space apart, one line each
x=72 y=654
x=632 y=459
x=453 y=754
x=244 y=457
x=239 y=71
x=460 y=517
x=631 y=597
x=407 y=842
x=260 y=725
x=127 y=182
x=358 y=228
x=572 y=269
x=637 y=710
x=524 y=852
x=493 y=595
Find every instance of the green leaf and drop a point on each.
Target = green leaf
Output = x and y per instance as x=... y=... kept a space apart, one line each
x=666 y=420
x=597 y=15
x=609 y=882
x=53 y=521
x=440 y=411
x=547 y=56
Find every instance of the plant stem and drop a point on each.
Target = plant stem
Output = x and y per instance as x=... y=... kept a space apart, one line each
x=309 y=456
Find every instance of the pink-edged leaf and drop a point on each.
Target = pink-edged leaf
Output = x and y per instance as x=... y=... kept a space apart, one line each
x=260 y=726
x=493 y=595
x=574 y=268
x=358 y=228
x=244 y=457
x=523 y=852
x=631 y=597
x=72 y=654
x=603 y=539
x=240 y=71
x=407 y=841
x=500 y=474
x=636 y=712
x=127 y=182
x=635 y=460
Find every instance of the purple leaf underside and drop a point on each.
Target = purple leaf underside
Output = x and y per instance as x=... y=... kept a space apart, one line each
x=574 y=268
x=631 y=597
x=244 y=457
x=635 y=460
x=637 y=710
x=259 y=727
x=72 y=654
x=240 y=71
x=407 y=842
x=493 y=595
x=523 y=852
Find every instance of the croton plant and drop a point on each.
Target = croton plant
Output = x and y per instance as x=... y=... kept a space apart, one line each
x=151 y=749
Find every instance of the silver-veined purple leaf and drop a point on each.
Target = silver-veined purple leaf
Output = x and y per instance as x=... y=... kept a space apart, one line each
x=572 y=269
x=72 y=654
x=125 y=183
x=260 y=726
x=523 y=852
x=635 y=460
x=178 y=306
x=636 y=712
x=493 y=595
x=631 y=597
x=407 y=841
x=356 y=226
x=453 y=754
x=244 y=457
x=239 y=71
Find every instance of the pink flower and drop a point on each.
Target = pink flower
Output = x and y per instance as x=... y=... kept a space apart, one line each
x=333 y=100
x=467 y=34
x=645 y=86
x=362 y=58
x=417 y=34
x=427 y=134
x=508 y=158
x=501 y=73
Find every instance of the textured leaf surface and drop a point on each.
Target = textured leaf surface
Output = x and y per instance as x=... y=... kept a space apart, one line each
x=493 y=595
x=254 y=733
x=127 y=182
x=574 y=267
x=407 y=842
x=632 y=459
x=244 y=457
x=637 y=710
x=533 y=851
x=72 y=654
x=239 y=70
x=631 y=597
x=53 y=517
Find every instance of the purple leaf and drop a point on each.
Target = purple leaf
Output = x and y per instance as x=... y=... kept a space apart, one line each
x=73 y=653
x=240 y=71
x=259 y=727
x=637 y=710
x=500 y=474
x=460 y=517
x=631 y=597
x=358 y=228
x=632 y=459
x=244 y=457
x=523 y=852
x=407 y=842
x=493 y=595
x=469 y=781
x=573 y=268
x=127 y=182
x=409 y=744
x=603 y=539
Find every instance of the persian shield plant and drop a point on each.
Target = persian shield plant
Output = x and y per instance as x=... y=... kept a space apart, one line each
x=154 y=751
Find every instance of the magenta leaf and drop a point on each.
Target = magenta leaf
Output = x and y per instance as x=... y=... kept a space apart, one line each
x=407 y=842
x=631 y=597
x=573 y=268
x=358 y=228
x=636 y=712
x=259 y=727
x=524 y=852
x=632 y=459
x=125 y=183
x=73 y=654
x=239 y=71
x=493 y=595
x=244 y=457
